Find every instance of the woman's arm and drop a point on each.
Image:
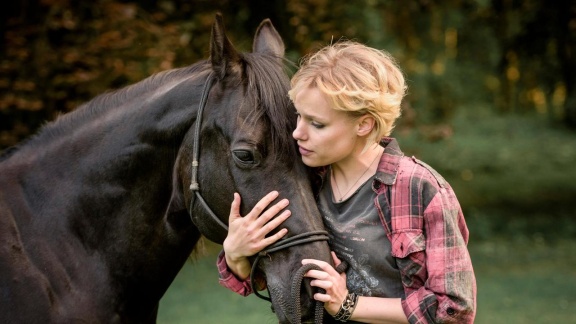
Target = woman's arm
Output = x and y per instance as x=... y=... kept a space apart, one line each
x=439 y=281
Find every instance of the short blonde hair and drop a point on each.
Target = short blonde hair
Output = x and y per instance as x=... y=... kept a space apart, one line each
x=357 y=79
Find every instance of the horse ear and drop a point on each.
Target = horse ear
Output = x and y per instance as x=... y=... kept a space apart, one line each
x=223 y=55
x=267 y=40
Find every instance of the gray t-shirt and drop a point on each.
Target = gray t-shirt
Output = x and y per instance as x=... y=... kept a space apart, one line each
x=358 y=237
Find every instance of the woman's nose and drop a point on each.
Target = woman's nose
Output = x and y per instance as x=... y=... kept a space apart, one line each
x=298 y=132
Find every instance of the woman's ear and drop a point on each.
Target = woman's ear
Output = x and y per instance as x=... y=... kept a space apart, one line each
x=365 y=125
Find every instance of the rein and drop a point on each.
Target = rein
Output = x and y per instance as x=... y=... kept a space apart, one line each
x=299 y=239
x=295 y=291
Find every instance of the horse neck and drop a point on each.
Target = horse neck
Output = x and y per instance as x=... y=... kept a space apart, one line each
x=107 y=162
x=89 y=194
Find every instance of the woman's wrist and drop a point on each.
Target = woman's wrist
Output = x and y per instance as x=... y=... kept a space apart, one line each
x=347 y=307
x=240 y=267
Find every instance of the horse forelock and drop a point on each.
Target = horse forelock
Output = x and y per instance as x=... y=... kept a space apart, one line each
x=268 y=79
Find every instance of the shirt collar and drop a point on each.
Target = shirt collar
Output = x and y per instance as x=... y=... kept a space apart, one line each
x=388 y=166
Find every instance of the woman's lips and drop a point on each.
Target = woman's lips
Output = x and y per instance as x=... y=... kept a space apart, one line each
x=304 y=151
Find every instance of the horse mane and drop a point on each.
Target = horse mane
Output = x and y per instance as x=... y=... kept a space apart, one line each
x=267 y=77
x=101 y=103
x=115 y=98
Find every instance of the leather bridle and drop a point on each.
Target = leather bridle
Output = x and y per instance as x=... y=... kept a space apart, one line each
x=194 y=186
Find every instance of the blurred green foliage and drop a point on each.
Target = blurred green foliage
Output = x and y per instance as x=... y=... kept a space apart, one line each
x=513 y=56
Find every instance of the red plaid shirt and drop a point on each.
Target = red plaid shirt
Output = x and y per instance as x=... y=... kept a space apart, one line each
x=426 y=227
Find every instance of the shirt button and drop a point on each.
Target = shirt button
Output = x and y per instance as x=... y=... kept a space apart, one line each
x=450 y=311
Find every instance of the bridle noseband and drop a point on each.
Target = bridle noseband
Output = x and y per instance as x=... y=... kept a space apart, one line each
x=299 y=239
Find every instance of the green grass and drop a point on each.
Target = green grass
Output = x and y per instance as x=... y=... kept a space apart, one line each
x=518 y=282
x=525 y=281
x=196 y=297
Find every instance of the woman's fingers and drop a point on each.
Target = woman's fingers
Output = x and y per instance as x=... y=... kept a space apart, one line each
x=335 y=259
x=235 y=208
x=262 y=204
x=273 y=238
x=249 y=234
x=268 y=220
x=326 y=268
x=317 y=274
x=333 y=283
x=257 y=216
x=264 y=225
x=324 y=284
x=322 y=297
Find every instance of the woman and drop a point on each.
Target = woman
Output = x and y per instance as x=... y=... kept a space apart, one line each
x=392 y=218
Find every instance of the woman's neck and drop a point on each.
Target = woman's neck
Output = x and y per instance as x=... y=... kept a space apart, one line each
x=348 y=175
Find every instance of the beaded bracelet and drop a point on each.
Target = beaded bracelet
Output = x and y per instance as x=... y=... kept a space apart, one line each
x=347 y=307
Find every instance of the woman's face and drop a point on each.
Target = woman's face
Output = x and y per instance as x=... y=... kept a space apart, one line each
x=324 y=135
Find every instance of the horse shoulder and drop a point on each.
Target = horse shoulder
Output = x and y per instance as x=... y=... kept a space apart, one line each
x=19 y=279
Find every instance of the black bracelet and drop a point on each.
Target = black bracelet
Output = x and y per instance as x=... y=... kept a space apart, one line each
x=347 y=307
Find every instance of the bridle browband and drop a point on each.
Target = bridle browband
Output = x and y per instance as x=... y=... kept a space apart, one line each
x=299 y=239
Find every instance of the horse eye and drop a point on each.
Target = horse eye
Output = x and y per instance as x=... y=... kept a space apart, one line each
x=245 y=157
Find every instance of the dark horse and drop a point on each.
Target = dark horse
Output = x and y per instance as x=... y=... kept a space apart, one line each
x=96 y=212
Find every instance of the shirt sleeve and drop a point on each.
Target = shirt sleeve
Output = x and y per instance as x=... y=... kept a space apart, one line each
x=228 y=280
x=438 y=278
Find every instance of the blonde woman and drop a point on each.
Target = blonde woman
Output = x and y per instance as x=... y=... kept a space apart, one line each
x=392 y=218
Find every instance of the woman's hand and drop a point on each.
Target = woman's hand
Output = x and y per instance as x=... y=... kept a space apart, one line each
x=330 y=280
x=247 y=235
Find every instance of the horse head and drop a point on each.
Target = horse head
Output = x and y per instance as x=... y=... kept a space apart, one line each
x=242 y=143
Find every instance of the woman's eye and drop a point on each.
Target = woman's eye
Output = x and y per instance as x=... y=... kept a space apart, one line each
x=312 y=122
x=317 y=125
